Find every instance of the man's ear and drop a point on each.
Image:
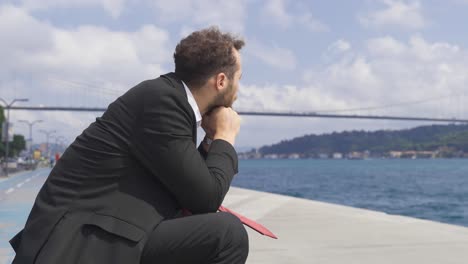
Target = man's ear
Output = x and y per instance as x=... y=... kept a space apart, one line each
x=221 y=81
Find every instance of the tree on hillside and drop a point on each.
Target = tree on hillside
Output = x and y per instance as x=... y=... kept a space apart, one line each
x=425 y=138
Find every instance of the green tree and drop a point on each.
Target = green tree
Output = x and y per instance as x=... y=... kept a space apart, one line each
x=17 y=145
x=2 y=115
x=2 y=118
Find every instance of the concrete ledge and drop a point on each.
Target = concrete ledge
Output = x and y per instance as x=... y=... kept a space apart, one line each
x=316 y=232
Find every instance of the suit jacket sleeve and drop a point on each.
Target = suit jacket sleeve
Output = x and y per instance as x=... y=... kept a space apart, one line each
x=163 y=143
x=202 y=151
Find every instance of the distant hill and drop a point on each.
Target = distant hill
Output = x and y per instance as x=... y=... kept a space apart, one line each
x=448 y=138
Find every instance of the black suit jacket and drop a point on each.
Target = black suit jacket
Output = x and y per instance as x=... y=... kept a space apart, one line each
x=129 y=170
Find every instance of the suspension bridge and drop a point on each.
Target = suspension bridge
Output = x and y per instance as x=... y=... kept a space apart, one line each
x=69 y=106
x=257 y=113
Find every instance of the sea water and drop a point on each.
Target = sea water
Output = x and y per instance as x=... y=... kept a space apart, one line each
x=433 y=189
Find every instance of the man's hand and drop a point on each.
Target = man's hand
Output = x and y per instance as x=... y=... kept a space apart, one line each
x=222 y=123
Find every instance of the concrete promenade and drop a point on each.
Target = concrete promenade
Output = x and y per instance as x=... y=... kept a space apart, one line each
x=316 y=232
x=308 y=231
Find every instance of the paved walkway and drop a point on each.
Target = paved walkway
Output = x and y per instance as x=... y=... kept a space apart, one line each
x=308 y=231
x=17 y=194
x=316 y=232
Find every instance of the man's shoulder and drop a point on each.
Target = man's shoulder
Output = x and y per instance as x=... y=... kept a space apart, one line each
x=167 y=83
x=168 y=79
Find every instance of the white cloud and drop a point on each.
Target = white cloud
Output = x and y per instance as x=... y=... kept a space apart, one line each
x=82 y=66
x=262 y=130
x=336 y=50
x=340 y=45
x=275 y=12
x=25 y=35
x=228 y=15
x=310 y=23
x=406 y=14
x=271 y=97
x=274 y=56
x=386 y=46
x=38 y=47
x=392 y=71
x=349 y=78
x=185 y=31
x=389 y=71
x=113 y=7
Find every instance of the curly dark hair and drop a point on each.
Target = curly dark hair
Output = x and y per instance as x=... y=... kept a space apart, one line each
x=204 y=53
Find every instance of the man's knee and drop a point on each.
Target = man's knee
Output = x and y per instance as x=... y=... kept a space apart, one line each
x=236 y=232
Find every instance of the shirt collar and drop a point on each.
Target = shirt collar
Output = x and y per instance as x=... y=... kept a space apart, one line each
x=193 y=104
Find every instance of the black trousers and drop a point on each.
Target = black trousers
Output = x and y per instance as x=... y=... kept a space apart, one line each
x=208 y=238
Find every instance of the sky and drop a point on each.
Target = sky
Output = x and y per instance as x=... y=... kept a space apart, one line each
x=300 y=56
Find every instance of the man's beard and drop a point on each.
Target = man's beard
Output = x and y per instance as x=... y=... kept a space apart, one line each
x=221 y=100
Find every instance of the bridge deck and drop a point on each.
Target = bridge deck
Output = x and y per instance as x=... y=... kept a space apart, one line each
x=255 y=113
x=308 y=231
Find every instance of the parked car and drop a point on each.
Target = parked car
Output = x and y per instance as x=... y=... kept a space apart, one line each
x=11 y=164
x=27 y=163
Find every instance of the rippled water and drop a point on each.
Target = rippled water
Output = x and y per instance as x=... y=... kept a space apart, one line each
x=429 y=189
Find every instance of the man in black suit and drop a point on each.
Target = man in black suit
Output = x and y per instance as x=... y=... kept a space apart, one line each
x=123 y=190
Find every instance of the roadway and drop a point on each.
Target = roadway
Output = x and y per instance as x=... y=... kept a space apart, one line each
x=17 y=194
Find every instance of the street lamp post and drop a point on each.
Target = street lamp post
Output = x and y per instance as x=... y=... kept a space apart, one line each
x=61 y=141
x=30 y=124
x=57 y=139
x=47 y=133
x=7 y=106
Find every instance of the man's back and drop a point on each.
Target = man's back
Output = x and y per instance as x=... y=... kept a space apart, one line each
x=100 y=176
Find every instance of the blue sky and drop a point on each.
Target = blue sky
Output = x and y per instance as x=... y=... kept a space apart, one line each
x=299 y=56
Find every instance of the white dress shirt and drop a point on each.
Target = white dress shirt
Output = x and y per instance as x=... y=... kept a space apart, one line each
x=193 y=104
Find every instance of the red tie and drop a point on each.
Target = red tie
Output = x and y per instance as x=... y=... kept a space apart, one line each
x=246 y=221
x=250 y=223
